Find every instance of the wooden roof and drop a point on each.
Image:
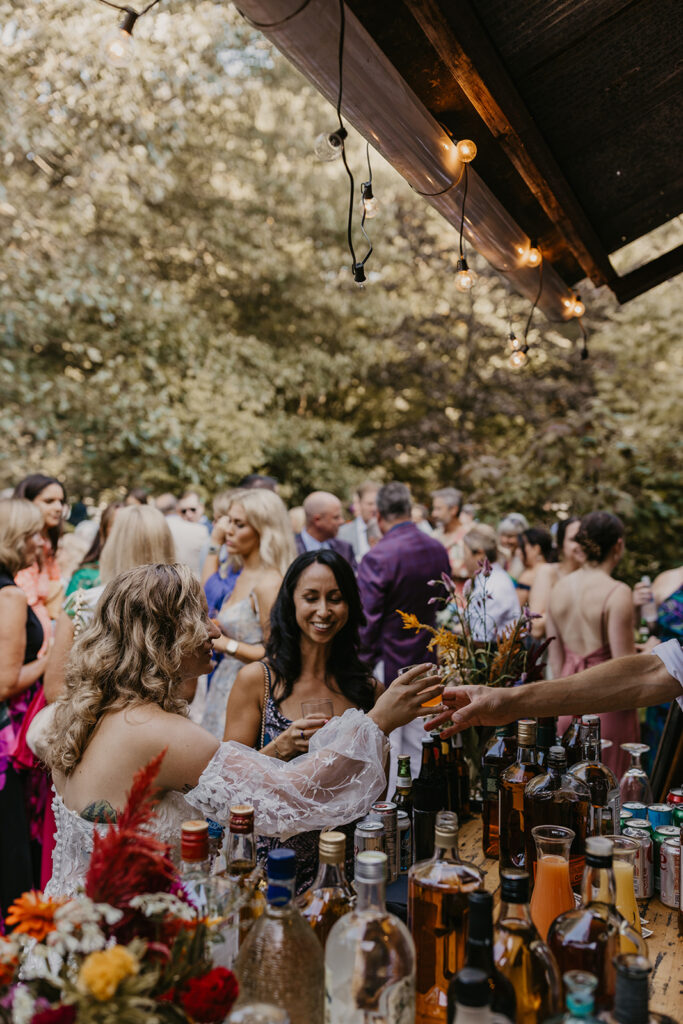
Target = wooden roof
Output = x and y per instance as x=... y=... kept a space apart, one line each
x=575 y=107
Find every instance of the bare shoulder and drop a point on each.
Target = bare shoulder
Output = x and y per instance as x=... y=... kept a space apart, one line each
x=150 y=729
x=268 y=583
x=13 y=600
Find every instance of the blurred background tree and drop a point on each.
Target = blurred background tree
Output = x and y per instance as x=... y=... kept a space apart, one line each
x=177 y=306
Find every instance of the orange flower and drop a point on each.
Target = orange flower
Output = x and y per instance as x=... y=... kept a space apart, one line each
x=411 y=621
x=8 y=962
x=33 y=915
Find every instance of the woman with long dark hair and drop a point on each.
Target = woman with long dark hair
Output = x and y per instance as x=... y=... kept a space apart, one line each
x=41 y=581
x=569 y=556
x=311 y=655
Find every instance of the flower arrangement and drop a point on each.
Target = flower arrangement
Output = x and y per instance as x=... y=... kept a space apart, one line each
x=132 y=949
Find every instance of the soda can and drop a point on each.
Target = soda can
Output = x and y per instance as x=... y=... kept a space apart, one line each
x=644 y=824
x=671 y=873
x=657 y=840
x=389 y=817
x=625 y=818
x=675 y=796
x=637 y=810
x=643 y=875
x=368 y=835
x=660 y=814
x=405 y=842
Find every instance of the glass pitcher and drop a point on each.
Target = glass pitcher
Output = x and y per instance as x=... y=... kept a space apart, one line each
x=552 y=889
x=625 y=852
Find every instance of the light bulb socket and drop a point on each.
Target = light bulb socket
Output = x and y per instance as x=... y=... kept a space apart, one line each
x=129 y=20
x=359 y=273
x=366 y=190
x=461 y=265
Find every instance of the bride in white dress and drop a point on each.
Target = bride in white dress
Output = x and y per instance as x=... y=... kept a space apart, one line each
x=128 y=681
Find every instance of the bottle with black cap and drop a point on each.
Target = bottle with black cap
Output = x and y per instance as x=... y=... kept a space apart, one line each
x=589 y=938
x=472 y=999
x=546 y=737
x=520 y=954
x=631 y=997
x=479 y=954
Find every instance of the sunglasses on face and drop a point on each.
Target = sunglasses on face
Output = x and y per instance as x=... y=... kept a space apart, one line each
x=184 y=511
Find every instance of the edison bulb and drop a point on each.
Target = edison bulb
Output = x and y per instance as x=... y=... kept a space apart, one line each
x=369 y=207
x=533 y=257
x=578 y=308
x=328 y=146
x=515 y=343
x=464 y=278
x=118 y=47
x=517 y=359
x=466 y=150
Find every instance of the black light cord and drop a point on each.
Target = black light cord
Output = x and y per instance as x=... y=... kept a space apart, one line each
x=536 y=300
x=275 y=24
x=126 y=9
x=462 y=211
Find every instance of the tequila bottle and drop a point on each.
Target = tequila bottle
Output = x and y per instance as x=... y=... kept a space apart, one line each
x=557 y=798
x=437 y=917
x=498 y=753
x=330 y=896
x=281 y=960
x=513 y=779
x=369 y=956
x=601 y=781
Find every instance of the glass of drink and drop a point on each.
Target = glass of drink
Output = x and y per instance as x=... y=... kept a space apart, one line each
x=625 y=852
x=635 y=785
x=433 y=670
x=552 y=888
x=322 y=707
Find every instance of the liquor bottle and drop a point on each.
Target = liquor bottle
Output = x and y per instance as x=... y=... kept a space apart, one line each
x=195 y=866
x=580 y=989
x=437 y=917
x=369 y=956
x=429 y=797
x=498 y=753
x=461 y=776
x=330 y=896
x=240 y=857
x=557 y=798
x=601 y=781
x=546 y=737
x=571 y=741
x=589 y=938
x=521 y=955
x=448 y=767
x=403 y=794
x=631 y=997
x=281 y=960
x=479 y=954
x=471 y=999
x=511 y=796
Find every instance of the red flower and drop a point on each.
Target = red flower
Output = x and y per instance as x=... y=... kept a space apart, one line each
x=209 y=999
x=57 y=1015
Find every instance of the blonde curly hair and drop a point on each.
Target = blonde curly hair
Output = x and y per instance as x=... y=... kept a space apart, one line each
x=146 y=621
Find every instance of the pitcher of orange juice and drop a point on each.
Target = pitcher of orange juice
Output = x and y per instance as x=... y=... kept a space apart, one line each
x=625 y=853
x=552 y=889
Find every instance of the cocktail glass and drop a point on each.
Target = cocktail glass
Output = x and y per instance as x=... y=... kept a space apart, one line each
x=625 y=852
x=552 y=889
x=433 y=670
x=635 y=785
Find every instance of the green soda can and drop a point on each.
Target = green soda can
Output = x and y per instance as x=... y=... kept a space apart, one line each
x=659 y=836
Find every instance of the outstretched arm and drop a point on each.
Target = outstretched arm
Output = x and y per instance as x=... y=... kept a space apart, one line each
x=634 y=681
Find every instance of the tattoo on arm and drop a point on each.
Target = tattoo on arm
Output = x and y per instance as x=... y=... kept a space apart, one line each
x=99 y=811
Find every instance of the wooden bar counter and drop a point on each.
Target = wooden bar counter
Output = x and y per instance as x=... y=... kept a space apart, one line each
x=665 y=946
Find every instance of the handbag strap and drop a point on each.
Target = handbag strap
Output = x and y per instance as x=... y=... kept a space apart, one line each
x=266 y=695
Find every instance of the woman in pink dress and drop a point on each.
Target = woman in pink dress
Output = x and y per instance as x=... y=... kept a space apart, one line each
x=591 y=617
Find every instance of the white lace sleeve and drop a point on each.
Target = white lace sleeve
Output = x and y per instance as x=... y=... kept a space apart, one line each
x=337 y=781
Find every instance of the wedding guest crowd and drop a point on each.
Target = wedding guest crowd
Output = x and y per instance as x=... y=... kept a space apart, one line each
x=300 y=605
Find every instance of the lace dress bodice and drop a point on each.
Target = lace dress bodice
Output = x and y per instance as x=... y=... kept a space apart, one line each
x=337 y=781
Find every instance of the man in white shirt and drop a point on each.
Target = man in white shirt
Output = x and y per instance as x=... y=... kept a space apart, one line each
x=355 y=533
x=494 y=604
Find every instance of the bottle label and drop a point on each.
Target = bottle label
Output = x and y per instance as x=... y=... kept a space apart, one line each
x=396 y=1004
x=490 y=780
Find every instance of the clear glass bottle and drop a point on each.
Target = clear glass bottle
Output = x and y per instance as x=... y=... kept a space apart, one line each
x=195 y=866
x=330 y=896
x=546 y=737
x=479 y=954
x=240 y=857
x=403 y=794
x=471 y=999
x=511 y=827
x=631 y=996
x=498 y=753
x=579 y=987
x=281 y=960
x=558 y=798
x=601 y=780
x=521 y=955
x=369 y=956
x=589 y=938
x=437 y=917
x=571 y=741
x=429 y=797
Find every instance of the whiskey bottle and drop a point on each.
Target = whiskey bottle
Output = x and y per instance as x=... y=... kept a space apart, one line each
x=479 y=954
x=369 y=956
x=437 y=918
x=589 y=938
x=601 y=781
x=521 y=956
x=511 y=825
x=546 y=737
x=558 y=798
x=240 y=856
x=571 y=740
x=631 y=997
x=498 y=753
x=330 y=896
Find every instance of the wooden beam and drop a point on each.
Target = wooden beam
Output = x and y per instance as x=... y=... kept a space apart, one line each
x=640 y=280
x=478 y=70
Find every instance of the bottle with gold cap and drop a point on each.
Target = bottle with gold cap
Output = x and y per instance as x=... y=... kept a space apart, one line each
x=511 y=796
x=437 y=917
x=330 y=896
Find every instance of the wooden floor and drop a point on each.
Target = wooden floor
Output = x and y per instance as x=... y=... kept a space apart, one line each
x=665 y=946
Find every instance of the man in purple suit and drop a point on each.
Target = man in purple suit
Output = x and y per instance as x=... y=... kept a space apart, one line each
x=324 y=516
x=395 y=575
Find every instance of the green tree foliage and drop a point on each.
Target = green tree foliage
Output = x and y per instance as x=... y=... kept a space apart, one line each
x=177 y=306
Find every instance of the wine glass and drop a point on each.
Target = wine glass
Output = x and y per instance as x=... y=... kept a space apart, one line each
x=635 y=785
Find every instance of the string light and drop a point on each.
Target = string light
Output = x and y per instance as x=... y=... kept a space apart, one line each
x=117 y=45
x=533 y=256
x=578 y=308
x=515 y=343
x=329 y=145
x=466 y=151
x=519 y=357
x=464 y=278
x=368 y=203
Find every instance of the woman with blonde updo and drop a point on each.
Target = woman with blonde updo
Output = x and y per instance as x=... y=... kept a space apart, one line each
x=130 y=674
x=260 y=543
x=591 y=617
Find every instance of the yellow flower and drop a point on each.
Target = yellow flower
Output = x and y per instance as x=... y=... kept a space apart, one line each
x=102 y=972
x=411 y=621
